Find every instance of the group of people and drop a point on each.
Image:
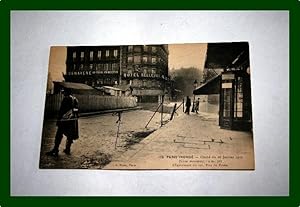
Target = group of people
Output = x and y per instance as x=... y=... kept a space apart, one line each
x=188 y=105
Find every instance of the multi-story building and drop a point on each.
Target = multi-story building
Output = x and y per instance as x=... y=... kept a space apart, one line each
x=142 y=68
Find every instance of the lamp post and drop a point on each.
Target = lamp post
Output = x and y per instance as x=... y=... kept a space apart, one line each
x=195 y=86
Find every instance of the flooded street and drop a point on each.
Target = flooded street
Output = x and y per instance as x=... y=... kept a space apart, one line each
x=96 y=145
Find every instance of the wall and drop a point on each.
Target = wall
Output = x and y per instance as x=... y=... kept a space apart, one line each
x=89 y=103
x=209 y=103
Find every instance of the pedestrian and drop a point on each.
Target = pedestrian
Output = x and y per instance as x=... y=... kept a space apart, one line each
x=197 y=103
x=67 y=123
x=187 y=105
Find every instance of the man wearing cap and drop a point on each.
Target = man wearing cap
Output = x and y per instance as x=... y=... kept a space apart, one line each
x=67 y=123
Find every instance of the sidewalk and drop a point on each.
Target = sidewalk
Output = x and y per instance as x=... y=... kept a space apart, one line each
x=190 y=142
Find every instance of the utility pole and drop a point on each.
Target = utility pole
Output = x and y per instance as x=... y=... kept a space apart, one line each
x=162 y=110
x=120 y=69
x=195 y=86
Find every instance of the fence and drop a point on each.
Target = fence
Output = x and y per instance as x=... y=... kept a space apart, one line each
x=89 y=103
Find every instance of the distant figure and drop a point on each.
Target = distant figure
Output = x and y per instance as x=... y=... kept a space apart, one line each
x=67 y=123
x=131 y=90
x=187 y=105
x=197 y=105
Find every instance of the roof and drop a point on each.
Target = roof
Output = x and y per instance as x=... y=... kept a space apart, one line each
x=210 y=87
x=223 y=55
x=111 y=88
x=73 y=85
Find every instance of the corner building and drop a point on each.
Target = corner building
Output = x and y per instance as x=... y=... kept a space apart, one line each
x=141 y=68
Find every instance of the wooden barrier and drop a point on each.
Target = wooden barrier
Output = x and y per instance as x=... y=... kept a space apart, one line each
x=89 y=103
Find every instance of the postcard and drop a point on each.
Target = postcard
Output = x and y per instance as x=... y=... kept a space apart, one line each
x=148 y=107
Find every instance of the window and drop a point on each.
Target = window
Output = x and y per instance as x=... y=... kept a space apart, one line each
x=144 y=83
x=107 y=53
x=153 y=60
x=74 y=67
x=146 y=48
x=115 y=66
x=227 y=96
x=99 y=54
x=115 y=53
x=107 y=81
x=136 y=82
x=99 y=81
x=130 y=48
x=74 y=55
x=153 y=49
x=137 y=59
x=91 y=55
x=153 y=70
x=145 y=59
x=137 y=49
x=129 y=59
x=91 y=66
x=81 y=67
x=154 y=83
x=81 y=55
x=238 y=104
x=106 y=66
x=98 y=67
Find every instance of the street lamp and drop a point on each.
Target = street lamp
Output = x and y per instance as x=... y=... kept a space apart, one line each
x=195 y=86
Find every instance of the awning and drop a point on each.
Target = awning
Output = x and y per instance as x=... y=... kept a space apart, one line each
x=223 y=55
x=210 y=87
x=110 y=88
x=77 y=88
x=177 y=91
x=71 y=85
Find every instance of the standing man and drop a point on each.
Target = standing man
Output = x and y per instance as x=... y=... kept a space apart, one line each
x=187 y=105
x=197 y=103
x=67 y=123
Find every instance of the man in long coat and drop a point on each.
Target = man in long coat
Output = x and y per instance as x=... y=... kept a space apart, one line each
x=187 y=105
x=67 y=123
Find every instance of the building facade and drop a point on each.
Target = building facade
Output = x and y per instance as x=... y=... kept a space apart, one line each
x=141 y=68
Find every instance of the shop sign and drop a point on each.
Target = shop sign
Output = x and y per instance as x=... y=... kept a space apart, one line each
x=144 y=75
x=91 y=72
x=226 y=85
x=227 y=76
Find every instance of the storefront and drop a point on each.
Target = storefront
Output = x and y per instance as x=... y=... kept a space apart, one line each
x=233 y=84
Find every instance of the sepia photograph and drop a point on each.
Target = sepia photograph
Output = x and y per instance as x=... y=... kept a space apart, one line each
x=144 y=107
x=149 y=103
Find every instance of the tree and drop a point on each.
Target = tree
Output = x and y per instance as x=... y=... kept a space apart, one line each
x=184 y=79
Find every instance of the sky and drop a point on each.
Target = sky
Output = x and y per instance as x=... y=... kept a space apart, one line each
x=57 y=62
x=187 y=55
x=180 y=56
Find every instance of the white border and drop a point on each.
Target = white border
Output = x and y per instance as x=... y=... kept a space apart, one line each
x=32 y=34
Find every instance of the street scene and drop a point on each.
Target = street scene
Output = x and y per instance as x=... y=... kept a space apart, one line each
x=145 y=107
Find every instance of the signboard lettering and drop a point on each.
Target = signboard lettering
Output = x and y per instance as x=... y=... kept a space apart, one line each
x=92 y=72
x=229 y=76
x=226 y=85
